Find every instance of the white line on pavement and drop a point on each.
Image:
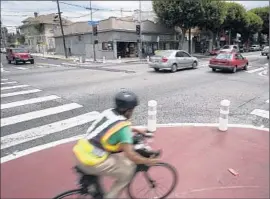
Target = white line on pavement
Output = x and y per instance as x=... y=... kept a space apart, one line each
x=38 y=114
x=260 y=113
x=20 y=93
x=38 y=132
x=4 y=79
x=11 y=87
x=21 y=68
x=45 y=64
x=8 y=83
x=255 y=70
x=267 y=101
x=29 y=101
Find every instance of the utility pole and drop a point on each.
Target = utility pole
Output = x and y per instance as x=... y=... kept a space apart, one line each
x=61 y=25
x=140 y=37
x=230 y=37
x=121 y=11
x=92 y=35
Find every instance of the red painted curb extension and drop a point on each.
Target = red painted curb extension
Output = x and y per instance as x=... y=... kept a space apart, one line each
x=204 y=157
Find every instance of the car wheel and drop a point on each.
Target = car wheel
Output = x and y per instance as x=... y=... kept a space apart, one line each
x=213 y=69
x=32 y=61
x=234 y=69
x=194 y=65
x=245 y=67
x=174 y=68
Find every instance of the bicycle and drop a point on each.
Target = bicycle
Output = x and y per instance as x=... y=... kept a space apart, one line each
x=89 y=185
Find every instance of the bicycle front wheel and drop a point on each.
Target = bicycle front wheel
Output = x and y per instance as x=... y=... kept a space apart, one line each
x=73 y=194
x=152 y=178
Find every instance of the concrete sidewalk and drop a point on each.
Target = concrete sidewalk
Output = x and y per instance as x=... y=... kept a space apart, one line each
x=203 y=157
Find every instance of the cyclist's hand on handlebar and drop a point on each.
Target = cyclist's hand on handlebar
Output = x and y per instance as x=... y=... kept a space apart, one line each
x=152 y=161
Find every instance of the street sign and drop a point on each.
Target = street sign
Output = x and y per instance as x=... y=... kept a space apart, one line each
x=93 y=22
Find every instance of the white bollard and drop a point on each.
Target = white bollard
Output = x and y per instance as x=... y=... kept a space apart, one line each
x=104 y=60
x=224 y=115
x=152 y=116
x=119 y=59
x=147 y=59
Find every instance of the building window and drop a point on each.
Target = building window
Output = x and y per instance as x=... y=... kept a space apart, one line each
x=107 y=46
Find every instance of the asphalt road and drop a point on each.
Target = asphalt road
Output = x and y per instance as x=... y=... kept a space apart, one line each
x=68 y=97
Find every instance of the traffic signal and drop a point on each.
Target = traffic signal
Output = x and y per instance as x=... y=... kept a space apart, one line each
x=95 y=31
x=138 y=29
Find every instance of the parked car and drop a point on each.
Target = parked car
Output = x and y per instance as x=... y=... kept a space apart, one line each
x=255 y=48
x=17 y=55
x=172 y=60
x=265 y=51
x=215 y=51
x=229 y=49
x=232 y=61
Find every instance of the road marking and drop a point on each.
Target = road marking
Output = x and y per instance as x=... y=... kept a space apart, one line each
x=45 y=64
x=255 y=70
x=41 y=131
x=71 y=139
x=267 y=101
x=38 y=114
x=11 y=87
x=20 y=93
x=21 y=68
x=29 y=101
x=260 y=113
x=4 y=79
x=8 y=83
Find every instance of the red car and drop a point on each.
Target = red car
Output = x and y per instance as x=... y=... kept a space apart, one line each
x=232 y=61
x=17 y=55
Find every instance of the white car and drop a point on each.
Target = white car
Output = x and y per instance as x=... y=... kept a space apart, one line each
x=255 y=48
x=172 y=60
x=229 y=49
x=265 y=51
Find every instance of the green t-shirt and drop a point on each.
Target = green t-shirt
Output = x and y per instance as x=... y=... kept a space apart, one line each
x=124 y=135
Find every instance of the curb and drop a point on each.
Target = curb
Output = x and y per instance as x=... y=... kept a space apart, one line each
x=71 y=139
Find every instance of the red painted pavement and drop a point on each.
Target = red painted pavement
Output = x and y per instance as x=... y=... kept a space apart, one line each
x=202 y=156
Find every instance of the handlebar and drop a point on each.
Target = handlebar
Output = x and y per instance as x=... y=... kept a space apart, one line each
x=139 y=137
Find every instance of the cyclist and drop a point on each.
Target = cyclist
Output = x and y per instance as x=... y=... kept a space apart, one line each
x=99 y=153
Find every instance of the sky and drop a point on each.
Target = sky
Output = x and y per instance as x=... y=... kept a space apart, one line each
x=13 y=12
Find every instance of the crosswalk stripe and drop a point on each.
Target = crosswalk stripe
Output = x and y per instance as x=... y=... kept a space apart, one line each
x=4 y=79
x=11 y=87
x=41 y=131
x=267 y=101
x=38 y=114
x=21 y=68
x=20 y=93
x=260 y=113
x=44 y=64
x=255 y=70
x=29 y=101
x=8 y=83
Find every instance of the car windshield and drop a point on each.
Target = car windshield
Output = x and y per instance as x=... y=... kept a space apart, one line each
x=224 y=56
x=163 y=53
x=19 y=51
x=266 y=48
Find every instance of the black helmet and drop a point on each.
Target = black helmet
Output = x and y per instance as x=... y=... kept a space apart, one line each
x=126 y=100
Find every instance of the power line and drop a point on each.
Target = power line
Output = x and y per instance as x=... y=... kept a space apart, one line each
x=99 y=9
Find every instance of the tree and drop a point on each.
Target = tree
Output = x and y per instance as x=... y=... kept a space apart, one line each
x=214 y=15
x=263 y=12
x=21 y=39
x=180 y=14
x=254 y=25
x=236 y=19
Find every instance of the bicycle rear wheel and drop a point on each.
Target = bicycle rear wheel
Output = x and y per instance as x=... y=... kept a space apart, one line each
x=153 y=184
x=73 y=194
